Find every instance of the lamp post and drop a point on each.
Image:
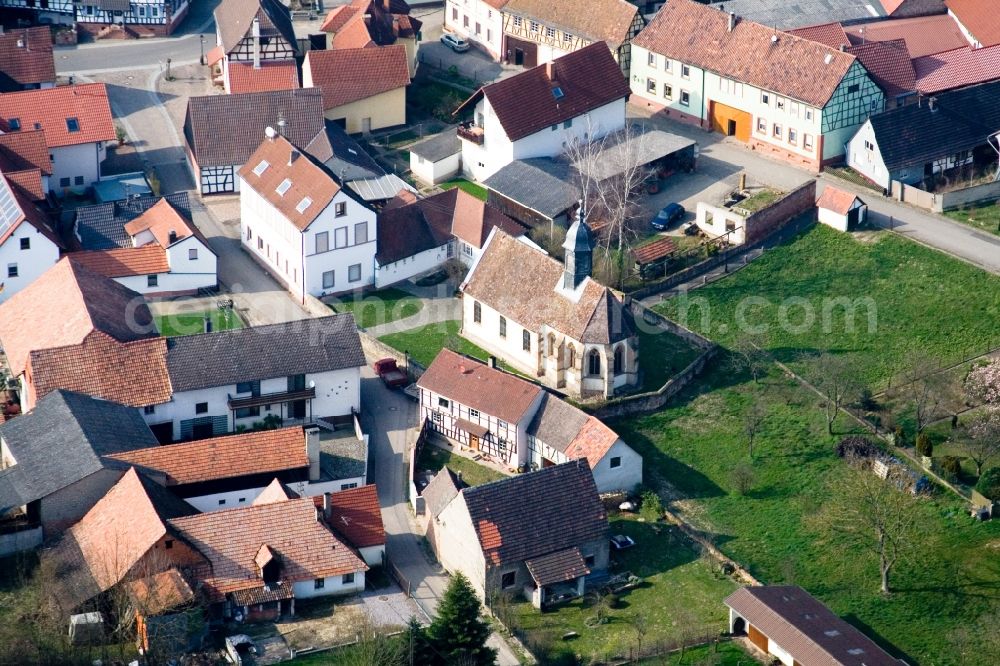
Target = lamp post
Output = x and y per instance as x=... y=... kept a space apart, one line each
x=201 y=38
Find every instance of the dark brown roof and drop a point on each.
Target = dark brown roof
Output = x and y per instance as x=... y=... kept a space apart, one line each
x=355 y=514
x=476 y=385
x=597 y=20
x=223 y=130
x=405 y=230
x=531 y=515
x=805 y=628
x=557 y=567
x=30 y=146
x=889 y=65
x=26 y=55
x=524 y=104
x=653 y=251
x=348 y=75
x=565 y=428
x=831 y=34
x=699 y=34
x=533 y=297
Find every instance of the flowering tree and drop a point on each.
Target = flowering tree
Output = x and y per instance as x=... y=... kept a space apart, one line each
x=983 y=384
x=981 y=441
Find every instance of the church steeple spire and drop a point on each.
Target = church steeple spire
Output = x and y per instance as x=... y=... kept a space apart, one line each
x=579 y=251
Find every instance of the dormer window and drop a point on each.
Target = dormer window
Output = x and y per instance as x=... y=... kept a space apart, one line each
x=260 y=168
x=558 y=93
x=14 y=124
x=73 y=124
x=283 y=187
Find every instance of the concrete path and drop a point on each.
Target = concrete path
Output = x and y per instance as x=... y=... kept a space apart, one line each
x=388 y=415
x=722 y=158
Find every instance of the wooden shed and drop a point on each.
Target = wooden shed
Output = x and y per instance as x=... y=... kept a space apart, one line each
x=840 y=209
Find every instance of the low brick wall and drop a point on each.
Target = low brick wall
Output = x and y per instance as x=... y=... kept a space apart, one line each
x=766 y=221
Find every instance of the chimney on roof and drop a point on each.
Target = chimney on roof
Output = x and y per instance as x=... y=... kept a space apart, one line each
x=172 y=237
x=932 y=104
x=732 y=21
x=550 y=70
x=312 y=452
x=492 y=362
x=256 y=43
x=774 y=38
x=843 y=48
x=326 y=504
x=207 y=324
x=20 y=42
x=282 y=124
x=292 y=156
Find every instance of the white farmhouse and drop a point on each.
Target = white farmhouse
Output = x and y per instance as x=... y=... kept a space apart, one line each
x=256 y=33
x=482 y=409
x=77 y=124
x=478 y=21
x=540 y=112
x=168 y=256
x=297 y=219
x=28 y=244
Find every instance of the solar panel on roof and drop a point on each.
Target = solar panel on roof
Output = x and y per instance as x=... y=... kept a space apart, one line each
x=10 y=211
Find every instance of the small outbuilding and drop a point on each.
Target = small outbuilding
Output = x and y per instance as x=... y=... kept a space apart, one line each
x=437 y=158
x=841 y=210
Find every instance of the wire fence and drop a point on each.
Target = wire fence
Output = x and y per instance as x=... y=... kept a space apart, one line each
x=639 y=650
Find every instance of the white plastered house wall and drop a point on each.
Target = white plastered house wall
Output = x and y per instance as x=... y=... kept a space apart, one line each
x=463 y=17
x=28 y=263
x=864 y=156
x=76 y=167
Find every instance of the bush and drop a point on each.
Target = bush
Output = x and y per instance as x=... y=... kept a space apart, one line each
x=867 y=401
x=899 y=436
x=652 y=508
x=924 y=446
x=857 y=447
x=989 y=483
x=951 y=466
x=743 y=478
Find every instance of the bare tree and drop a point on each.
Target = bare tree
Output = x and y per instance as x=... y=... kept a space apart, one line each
x=743 y=477
x=640 y=625
x=980 y=439
x=839 y=383
x=874 y=516
x=747 y=354
x=924 y=388
x=753 y=421
x=373 y=648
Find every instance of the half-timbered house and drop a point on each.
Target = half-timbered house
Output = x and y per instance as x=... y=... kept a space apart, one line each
x=781 y=94
x=539 y=31
x=149 y=17
x=252 y=31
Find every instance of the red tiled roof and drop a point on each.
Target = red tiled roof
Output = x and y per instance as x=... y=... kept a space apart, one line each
x=923 y=34
x=980 y=17
x=800 y=68
x=805 y=628
x=52 y=109
x=889 y=65
x=132 y=373
x=26 y=55
x=592 y=442
x=836 y=200
x=278 y=75
x=337 y=18
x=352 y=74
x=26 y=208
x=215 y=55
x=307 y=179
x=274 y=492
x=524 y=104
x=355 y=514
x=78 y=302
x=354 y=35
x=162 y=592
x=958 y=68
x=30 y=146
x=304 y=546
x=650 y=252
x=29 y=180
x=124 y=261
x=831 y=34
x=476 y=385
x=161 y=219
x=229 y=456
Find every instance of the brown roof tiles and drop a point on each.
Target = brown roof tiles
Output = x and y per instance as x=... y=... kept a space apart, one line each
x=980 y=17
x=923 y=35
x=557 y=567
x=476 y=385
x=699 y=34
x=831 y=34
x=889 y=65
x=26 y=55
x=276 y=75
x=957 y=68
x=161 y=592
x=355 y=514
x=30 y=146
x=602 y=20
x=229 y=456
x=161 y=220
x=350 y=74
x=835 y=199
x=124 y=261
x=54 y=109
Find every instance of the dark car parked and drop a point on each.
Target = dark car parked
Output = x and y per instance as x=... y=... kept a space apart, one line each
x=671 y=213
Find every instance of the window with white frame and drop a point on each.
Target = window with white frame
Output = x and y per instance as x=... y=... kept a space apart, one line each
x=685 y=98
x=340 y=237
x=518 y=21
x=807 y=141
x=809 y=114
x=779 y=103
x=322 y=241
x=534 y=26
x=503 y=327
x=668 y=91
x=793 y=136
x=550 y=32
x=761 y=126
x=650 y=85
x=667 y=64
x=776 y=131
x=567 y=37
x=651 y=59
x=765 y=99
x=473 y=413
x=685 y=71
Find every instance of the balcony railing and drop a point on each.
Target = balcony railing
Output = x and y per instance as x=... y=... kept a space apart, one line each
x=271 y=398
x=471 y=132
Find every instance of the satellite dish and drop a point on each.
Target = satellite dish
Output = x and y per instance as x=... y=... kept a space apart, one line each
x=270 y=133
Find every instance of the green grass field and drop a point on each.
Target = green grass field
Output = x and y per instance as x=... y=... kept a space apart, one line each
x=985 y=218
x=424 y=343
x=434 y=458
x=678 y=588
x=379 y=307
x=662 y=356
x=916 y=299
x=477 y=191
x=189 y=323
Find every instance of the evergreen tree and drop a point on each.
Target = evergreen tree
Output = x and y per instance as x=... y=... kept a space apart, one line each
x=458 y=634
x=418 y=646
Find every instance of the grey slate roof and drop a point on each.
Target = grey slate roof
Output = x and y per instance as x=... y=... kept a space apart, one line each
x=305 y=346
x=556 y=423
x=62 y=441
x=541 y=184
x=342 y=457
x=913 y=135
x=342 y=154
x=102 y=227
x=535 y=514
x=222 y=130
x=441 y=490
x=787 y=14
x=438 y=147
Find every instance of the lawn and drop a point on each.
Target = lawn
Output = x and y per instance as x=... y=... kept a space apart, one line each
x=904 y=298
x=189 y=323
x=434 y=458
x=695 y=444
x=379 y=307
x=759 y=199
x=663 y=355
x=435 y=99
x=985 y=218
x=477 y=191
x=424 y=343
x=680 y=592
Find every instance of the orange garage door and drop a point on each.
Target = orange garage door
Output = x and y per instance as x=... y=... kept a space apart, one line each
x=730 y=121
